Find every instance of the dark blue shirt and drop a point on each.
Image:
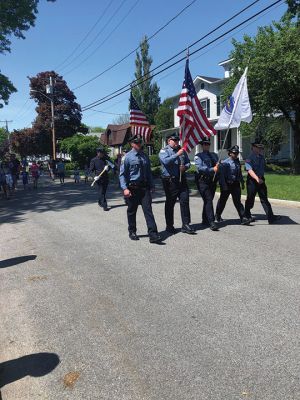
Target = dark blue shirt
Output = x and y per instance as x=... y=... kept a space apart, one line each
x=171 y=162
x=257 y=163
x=230 y=171
x=135 y=167
x=205 y=162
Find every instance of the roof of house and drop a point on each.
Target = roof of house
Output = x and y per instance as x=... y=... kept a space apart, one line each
x=227 y=61
x=208 y=79
x=115 y=134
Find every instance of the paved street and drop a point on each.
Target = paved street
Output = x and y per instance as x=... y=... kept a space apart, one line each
x=88 y=314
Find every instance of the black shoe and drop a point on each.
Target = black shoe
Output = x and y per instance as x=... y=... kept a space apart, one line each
x=251 y=219
x=245 y=221
x=274 y=219
x=155 y=238
x=105 y=209
x=171 y=229
x=219 y=218
x=133 y=236
x=213 y=226
x=187 y=229
x=206 y=223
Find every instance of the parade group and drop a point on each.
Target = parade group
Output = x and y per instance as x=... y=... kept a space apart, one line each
x=137 y=184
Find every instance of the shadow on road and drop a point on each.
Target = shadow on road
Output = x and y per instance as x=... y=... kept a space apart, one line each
x=35 y=365
x=52 y=197
x=10 y=262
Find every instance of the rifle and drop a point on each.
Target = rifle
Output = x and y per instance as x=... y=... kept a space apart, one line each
x=96 y=178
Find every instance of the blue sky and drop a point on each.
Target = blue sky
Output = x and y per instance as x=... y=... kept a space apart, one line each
x=62 y=25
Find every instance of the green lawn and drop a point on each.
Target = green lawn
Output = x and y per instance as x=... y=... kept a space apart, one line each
x=286 y=187
x=280 y=186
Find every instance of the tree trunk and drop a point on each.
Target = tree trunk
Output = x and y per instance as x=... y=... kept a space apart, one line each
x=296 y=162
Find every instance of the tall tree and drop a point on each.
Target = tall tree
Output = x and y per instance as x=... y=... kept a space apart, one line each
x=4 y=142
x=16 y=17
x=274 y=74
x=146 y=93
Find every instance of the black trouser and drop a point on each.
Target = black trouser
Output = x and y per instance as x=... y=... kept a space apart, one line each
x=233 y=189
x=140 y=196
x=173 y=190
x=102 y=188
x=252 y=189
x=207 y=190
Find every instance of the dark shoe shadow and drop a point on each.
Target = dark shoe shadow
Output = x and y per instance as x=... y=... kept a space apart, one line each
x=284 y=220
x=9 y=262
x=34 y=365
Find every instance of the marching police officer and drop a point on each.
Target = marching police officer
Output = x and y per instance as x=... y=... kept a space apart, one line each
x=137 y=183
x=206 y=179
x=175 y=162
x=97 y=165
x=231 y=179
x=255 y=166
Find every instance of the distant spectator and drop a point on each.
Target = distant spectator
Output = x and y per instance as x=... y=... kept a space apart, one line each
x=52 y=168
x=61 y=170
x=8 y=176
x=24 y=175
x=77 y=175
x=86 y=173
x=3 y=184
x=35 y=173
x=14 y=165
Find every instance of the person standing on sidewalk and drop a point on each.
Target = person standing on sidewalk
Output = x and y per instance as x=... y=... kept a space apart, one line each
x=61 y=171
x=206 y=179
x=137 y=183
x=231 y=180
x=174 y=161
x=255 y=165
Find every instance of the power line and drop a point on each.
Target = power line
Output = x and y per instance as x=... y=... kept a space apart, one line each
x=98 y=34
x=134 y=50
x=86 y=36
x=147 y=77
x=105 y=40
x=194 y=43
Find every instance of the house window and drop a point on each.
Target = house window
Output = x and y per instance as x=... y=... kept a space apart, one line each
x=221 y=138
x=219 y=104
x=202 y=86
x=205 y=104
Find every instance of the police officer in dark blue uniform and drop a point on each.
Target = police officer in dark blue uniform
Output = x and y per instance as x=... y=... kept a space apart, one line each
x=137 y=183
x=255 y=166
x=231 y=180
x=206 y=179
x=97 y=165
x=174 y=161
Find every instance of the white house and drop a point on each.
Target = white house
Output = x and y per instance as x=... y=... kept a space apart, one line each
x=209 y=91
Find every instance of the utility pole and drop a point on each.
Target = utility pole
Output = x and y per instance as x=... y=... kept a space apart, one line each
x=50 y=90
x=7 y=131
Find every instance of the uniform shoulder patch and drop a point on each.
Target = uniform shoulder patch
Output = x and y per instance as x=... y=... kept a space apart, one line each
x=162 y=151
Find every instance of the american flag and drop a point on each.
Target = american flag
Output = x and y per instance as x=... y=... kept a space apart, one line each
x=193 y=121
x=138 y=121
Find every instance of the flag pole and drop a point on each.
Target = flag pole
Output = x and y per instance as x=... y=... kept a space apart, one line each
x=182 y=126
x=231 y=117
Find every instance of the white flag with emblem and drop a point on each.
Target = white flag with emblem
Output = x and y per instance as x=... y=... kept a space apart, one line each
x=237 y=107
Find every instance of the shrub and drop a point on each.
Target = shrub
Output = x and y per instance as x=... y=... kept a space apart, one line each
x=154 y=160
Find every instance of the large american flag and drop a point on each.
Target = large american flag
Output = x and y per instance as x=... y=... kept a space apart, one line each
x=194 y=125
x=138 y=121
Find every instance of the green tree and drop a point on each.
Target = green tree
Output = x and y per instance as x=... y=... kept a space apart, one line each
x=81 y=148
x=4 y=142
x=146 y=93
x=164 y=119
x=294 y=8
x=16 y=17
x=274 y=74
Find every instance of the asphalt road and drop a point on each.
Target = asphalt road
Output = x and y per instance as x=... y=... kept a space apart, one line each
x=89 y=314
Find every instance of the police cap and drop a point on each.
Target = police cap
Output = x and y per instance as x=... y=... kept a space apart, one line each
x=204 y=141
x=173 y=136
x=257 y=144
x=135 y=139
x=234 y=149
